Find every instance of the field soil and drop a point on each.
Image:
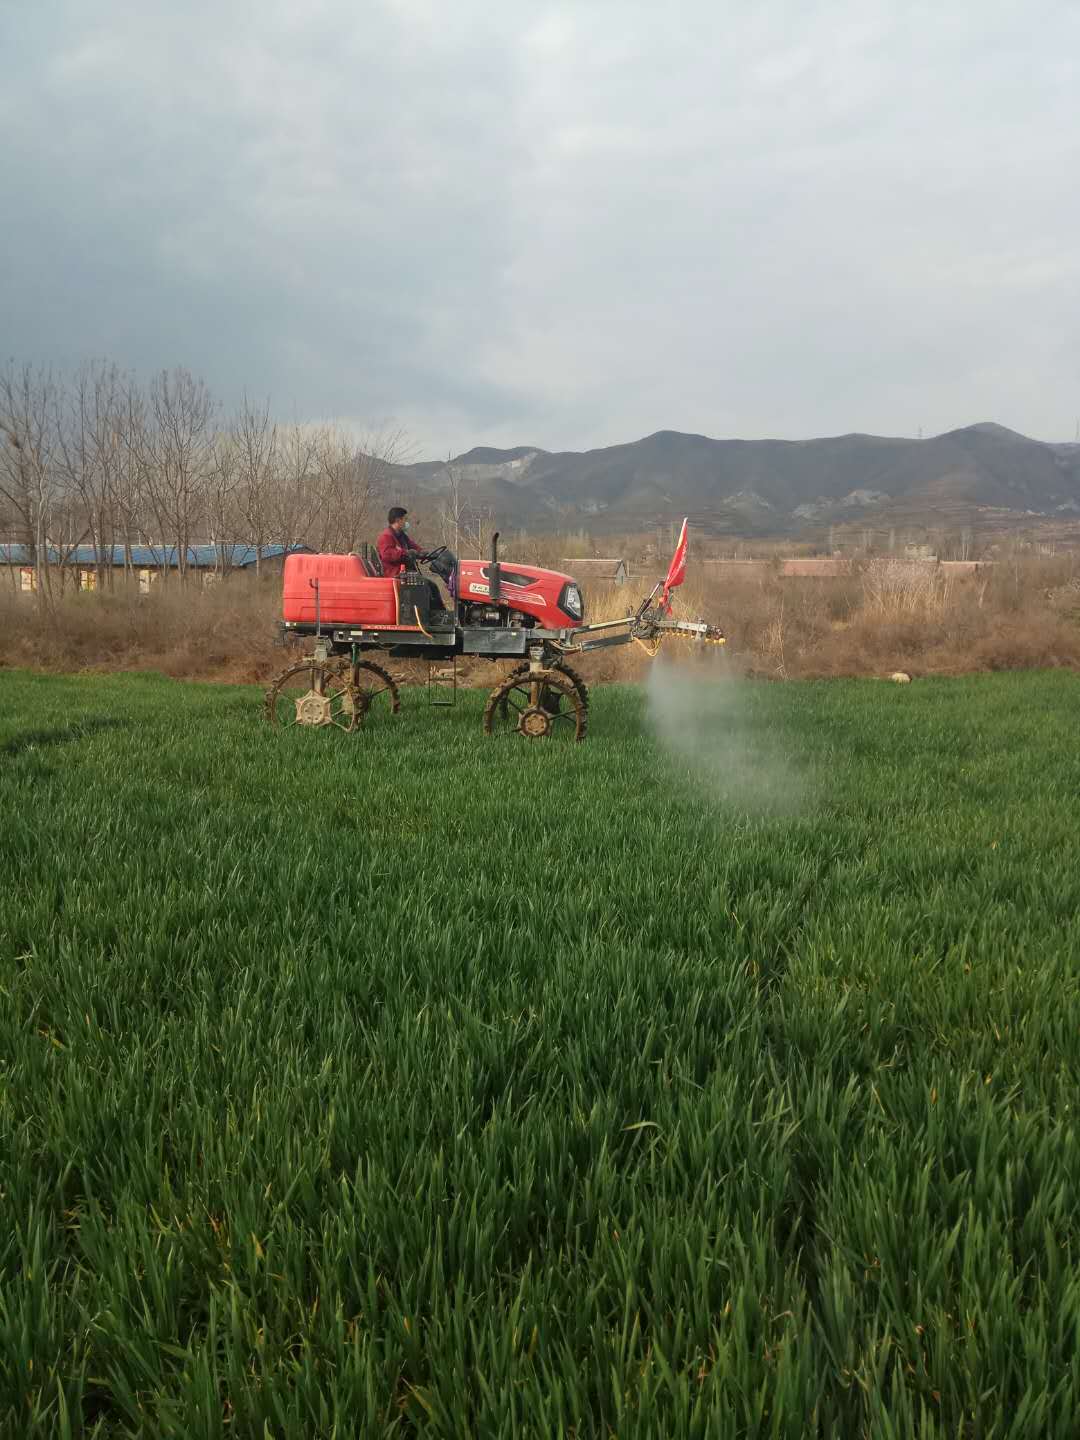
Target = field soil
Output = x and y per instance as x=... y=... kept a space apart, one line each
x=716 y=1076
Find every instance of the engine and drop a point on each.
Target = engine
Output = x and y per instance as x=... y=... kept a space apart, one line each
x=496 y=615
x=525 y=596
x=445 y=566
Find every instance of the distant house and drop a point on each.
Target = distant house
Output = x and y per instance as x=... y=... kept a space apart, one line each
x=904 y=565
x=740 y=569
x=963 y=567
x=598 y=572
x=84 y=562
x=805 y=566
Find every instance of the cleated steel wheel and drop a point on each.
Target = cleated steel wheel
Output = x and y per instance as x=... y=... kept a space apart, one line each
x=537 y=704
x=579 y=684
x=369 y=683
x=315 y=695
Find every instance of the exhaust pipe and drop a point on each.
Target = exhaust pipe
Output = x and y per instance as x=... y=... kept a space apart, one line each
x=494 y=586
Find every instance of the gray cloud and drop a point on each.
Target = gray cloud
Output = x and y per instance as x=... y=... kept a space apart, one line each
x=562 y=224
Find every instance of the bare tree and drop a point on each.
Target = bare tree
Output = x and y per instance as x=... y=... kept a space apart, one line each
x=352 y=479
x=28 y=462
x=105 y=459
x=223 y=479
x=90 y=418
x=295 y=505
x=333 y=454
x=462 y=511
x=256 y=443
x=130 y=454
x=178 y=441
x=453 y=508
x=483 y=519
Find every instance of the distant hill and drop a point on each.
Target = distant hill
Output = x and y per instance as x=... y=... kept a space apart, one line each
x=764 y=487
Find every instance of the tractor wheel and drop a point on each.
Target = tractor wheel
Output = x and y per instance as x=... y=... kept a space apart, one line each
x=369 y=681
x=313 y=694
x=560 y=665
x=539 y=705
x=579 y=684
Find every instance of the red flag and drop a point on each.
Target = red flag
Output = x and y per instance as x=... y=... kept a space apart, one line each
x=677 y=569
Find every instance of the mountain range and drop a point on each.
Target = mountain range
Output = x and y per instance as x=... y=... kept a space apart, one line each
x=981 y=472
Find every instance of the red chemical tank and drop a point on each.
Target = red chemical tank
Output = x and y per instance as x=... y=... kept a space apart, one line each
x=347 y=594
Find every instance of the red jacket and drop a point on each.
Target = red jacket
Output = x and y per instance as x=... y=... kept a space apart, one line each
x=393 y=548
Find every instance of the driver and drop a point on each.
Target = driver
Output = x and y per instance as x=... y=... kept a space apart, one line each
x=395 y=545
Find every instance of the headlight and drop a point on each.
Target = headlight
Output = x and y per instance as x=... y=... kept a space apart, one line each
x=570 y=601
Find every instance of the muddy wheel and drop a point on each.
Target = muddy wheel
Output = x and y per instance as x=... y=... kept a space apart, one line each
x=538 y=705
x=314 y=695
x=373 y=687
x=564 y=669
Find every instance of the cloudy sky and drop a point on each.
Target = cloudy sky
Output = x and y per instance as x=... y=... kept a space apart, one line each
x=556 y=224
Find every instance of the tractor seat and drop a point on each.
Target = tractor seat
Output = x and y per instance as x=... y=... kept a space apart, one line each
x=369 y=559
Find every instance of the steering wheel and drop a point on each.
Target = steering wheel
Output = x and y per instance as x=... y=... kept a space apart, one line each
x=433 y=554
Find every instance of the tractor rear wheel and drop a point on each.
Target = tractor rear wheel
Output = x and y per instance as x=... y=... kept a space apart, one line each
x=369 y=681
x=537 y=704
x=315 y=695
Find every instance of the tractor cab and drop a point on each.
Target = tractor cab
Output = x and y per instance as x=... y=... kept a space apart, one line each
x=419 y=601
x=444 y=564
x=442 y=561
x=415 y=594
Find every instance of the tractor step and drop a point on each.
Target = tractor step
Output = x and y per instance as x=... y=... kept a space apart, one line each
x=442 y=682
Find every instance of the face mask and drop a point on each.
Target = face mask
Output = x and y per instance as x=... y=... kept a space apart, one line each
x=406 y=525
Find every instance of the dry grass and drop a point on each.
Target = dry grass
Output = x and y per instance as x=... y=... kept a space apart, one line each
x=225 y=632
x=881 y=618
x=884 y=617
x=894 y=587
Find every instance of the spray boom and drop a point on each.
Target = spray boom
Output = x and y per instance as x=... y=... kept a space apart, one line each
x=649 y=625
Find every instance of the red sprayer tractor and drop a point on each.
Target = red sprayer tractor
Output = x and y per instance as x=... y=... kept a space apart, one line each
x=350 y=613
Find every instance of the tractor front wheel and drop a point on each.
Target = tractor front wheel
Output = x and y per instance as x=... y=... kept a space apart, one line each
x=579 y=684
x=537 y=704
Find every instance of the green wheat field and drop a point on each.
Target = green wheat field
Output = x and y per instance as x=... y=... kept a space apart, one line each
x=419 y=1083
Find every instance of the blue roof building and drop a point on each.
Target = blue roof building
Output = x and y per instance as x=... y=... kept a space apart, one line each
x=154 y=557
